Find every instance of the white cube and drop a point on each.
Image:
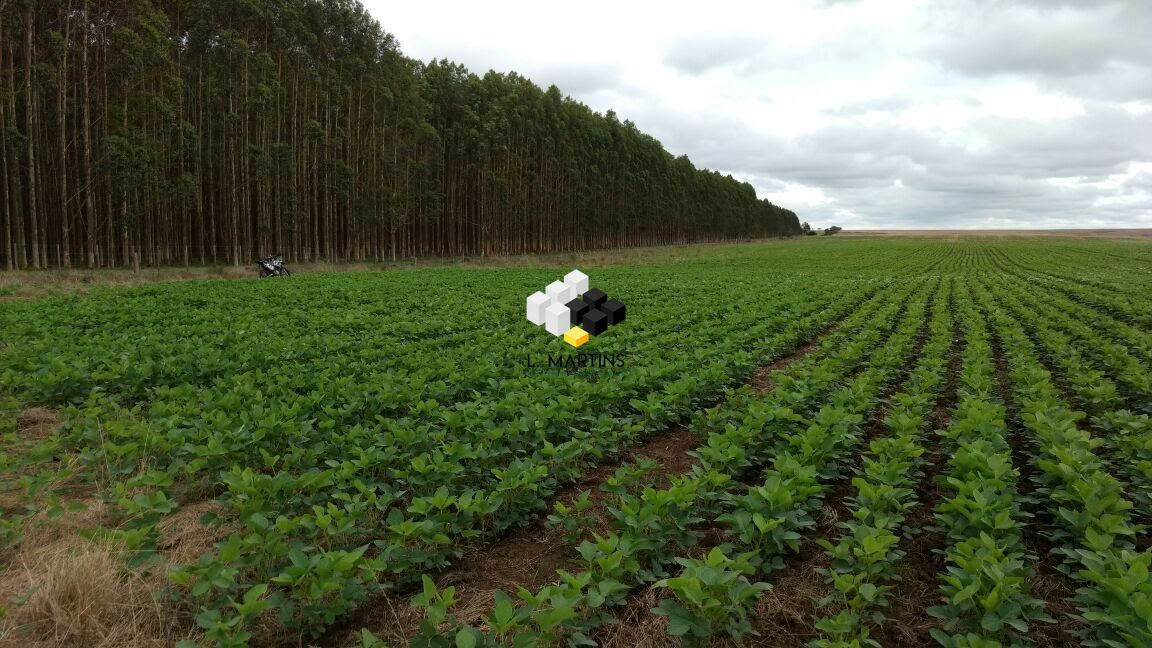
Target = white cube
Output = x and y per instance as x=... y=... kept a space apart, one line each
x=560 y=292
x=577 y=281
x=557 y=319
x=537 y=302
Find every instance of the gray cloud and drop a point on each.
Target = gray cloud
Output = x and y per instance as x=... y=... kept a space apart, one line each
x=706 y=52
x=576 y=79
x=1047 y=39
x=869 y=113
x=1118 y=82
x=895 y=176
x=1099 y=143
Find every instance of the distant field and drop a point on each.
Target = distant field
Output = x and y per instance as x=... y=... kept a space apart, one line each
x=912 y=440
x=39 y=283
x=1074 y=233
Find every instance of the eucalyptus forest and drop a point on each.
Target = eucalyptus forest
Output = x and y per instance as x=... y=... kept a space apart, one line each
x=167 y=132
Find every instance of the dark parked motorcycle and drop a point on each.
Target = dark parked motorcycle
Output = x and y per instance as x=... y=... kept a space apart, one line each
x=273 y=266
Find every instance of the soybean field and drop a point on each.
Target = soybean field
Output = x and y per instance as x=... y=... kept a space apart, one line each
x=830 y=442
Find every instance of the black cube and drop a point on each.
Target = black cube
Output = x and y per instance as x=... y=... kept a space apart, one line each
x=577 y=308
x=595 y=297
x=614 y=309
x=594 y=321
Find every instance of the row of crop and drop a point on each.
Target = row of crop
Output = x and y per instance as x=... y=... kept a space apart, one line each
x=1114 y=262
x=1093 y=528
x=763 y=522
x=653 y=504
x=1129 y=439
x=194 y=333
x=1133 y=376
x=985 y=588
x=1125 y=435
x=1051 y=314
x=208 y=343
x=651 y=529
x=962 y=258
x=275 y=408
x=386 y=423
x=863 y=560
x=1134 y=309
x=1137 y=341
x=1092 y=269
x=420 y=536
x=654 y=522
x=975 y=258
x=184 y=336
x=330 y=509
x=132 y=341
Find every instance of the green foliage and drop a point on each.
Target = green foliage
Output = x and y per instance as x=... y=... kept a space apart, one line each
x=713 y=596
x=864 y=559
x=366 y=449
x=986 y=590
x=573 y=517
x=1093 y=517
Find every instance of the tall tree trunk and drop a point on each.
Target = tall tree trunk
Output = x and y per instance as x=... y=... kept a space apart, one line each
x=6 y=172
x=30 y=121
x=234 y=211
x=65 y=241
x=86 y=134
x=125 y=242
x=19 y=240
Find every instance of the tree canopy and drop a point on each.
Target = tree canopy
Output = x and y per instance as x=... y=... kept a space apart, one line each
x=194 y=131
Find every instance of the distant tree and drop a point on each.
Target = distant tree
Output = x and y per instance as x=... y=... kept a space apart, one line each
x=832 y=230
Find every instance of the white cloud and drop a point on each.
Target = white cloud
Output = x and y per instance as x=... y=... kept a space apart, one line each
x=928 y=113
x=794 y=193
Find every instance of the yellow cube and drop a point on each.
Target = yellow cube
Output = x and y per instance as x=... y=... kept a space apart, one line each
x=576 y=336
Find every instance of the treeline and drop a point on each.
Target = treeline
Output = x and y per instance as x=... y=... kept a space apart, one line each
x=194 y=131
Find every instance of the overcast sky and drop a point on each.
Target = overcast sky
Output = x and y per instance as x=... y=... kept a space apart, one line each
x=869 y=114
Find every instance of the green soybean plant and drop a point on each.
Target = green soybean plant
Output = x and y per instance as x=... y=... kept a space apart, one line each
x=713 y=596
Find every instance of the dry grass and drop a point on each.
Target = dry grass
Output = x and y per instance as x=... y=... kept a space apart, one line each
x=783 y=615
x=473 y=607
x=393 y=619
x=183 y=538
x=78 y=595
x=636 y=626
x=64 y=590
x=60 y=589
x=42 y=530
x=37 y=423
